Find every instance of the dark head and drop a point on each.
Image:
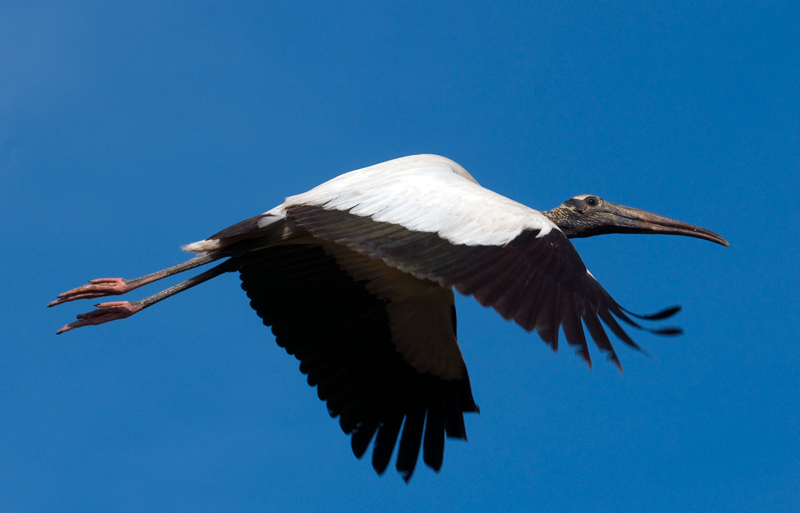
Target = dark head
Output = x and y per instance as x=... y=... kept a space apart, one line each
x=587 y=215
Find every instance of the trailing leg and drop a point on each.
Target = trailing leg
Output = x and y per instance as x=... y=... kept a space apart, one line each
x=121 y=309
x=102 y=287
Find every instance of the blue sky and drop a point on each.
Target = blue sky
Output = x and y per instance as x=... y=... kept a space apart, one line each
x=128 y=129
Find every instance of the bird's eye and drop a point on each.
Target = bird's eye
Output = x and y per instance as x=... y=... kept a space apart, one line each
x=591 y=201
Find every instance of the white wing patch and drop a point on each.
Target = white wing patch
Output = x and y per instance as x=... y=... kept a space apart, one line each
x=425 y=193
x=430 y=194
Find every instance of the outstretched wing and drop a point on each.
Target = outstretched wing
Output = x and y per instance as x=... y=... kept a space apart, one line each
x=346 y=318
x=537 y=279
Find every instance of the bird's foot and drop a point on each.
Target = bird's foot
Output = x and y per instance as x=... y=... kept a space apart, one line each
x=106 y=312
x=99 y=288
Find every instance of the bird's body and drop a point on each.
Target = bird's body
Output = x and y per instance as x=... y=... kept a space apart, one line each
x=356 y=278
x=422 y=193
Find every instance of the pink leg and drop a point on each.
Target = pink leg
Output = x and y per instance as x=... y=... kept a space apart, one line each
x=121 y=309
x=106 y=312
x=102 y=287
x=98 y=288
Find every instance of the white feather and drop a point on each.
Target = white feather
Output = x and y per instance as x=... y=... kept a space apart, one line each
x=426 y=193
x=431 y=194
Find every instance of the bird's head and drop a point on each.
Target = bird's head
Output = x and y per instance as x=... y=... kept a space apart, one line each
x=588 y=215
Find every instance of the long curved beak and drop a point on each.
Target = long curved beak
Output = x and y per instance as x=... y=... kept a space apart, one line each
x=622 y=219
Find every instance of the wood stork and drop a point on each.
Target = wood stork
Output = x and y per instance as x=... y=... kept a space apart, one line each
x=356 y=278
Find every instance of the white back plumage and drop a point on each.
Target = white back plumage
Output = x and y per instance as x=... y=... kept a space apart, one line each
x=427 y=193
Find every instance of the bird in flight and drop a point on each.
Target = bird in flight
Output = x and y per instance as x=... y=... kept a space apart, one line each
x=356 y=279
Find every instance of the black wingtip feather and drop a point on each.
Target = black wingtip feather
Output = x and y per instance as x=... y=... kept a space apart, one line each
x=660 y=315
x=361 y=438
x=433 y=446
x=385 y=442
x=410 y=443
